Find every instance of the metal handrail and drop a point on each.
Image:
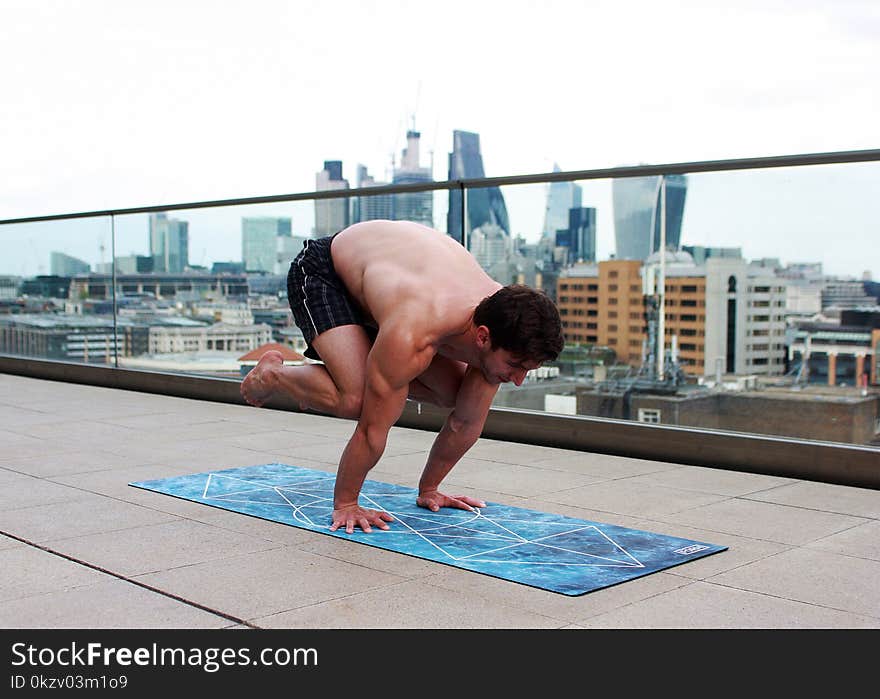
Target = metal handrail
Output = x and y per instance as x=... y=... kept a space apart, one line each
x=830 y=158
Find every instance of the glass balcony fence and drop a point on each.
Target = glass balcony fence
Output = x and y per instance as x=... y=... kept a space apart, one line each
x=730 y=297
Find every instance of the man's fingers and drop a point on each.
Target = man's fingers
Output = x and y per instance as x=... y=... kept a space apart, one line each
x=360 y=518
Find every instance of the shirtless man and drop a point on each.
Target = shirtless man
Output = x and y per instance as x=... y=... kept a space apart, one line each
x=397 y=310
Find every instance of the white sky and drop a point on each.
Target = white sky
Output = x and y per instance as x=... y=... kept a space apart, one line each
x=112 y=104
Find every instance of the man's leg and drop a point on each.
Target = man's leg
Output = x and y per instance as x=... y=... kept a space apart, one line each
x=439 y=383
x=336 y=388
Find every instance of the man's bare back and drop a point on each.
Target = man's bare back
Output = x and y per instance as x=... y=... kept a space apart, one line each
x=384 y=263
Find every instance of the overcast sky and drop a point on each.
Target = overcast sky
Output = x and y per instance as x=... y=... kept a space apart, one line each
x=112 y=104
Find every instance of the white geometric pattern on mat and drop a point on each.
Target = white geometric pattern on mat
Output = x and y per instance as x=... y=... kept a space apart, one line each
x=438 y=529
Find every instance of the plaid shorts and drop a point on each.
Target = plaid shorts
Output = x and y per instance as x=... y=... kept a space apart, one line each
x=317 y=296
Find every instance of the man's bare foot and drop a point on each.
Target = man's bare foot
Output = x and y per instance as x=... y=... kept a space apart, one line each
x=260 y=383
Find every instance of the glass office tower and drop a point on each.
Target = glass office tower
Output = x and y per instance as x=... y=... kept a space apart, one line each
x=485 y=205
x=169 y=243
x=637 y=216
x=259 y=241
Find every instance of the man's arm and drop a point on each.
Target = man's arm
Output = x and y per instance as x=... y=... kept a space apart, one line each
x=393 y=362
x=462 y=429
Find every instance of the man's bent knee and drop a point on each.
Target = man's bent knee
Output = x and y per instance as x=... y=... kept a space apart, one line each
x=350 y=406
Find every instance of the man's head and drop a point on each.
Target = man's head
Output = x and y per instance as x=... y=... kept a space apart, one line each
x=519 y=328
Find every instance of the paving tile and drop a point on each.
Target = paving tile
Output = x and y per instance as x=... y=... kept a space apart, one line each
x=9 y=543
x=604 y=465
x=514 y=479
x=268 y=582
x=635 y=499
x=516 y=453
x=205 y=431
x=861 y=541
x=311 y=424
x=543 y=505
x=149 y=450
x=409 y=466
x=235 y=522
x=160 y=419
x=109 y=604
x=87 y=515
x=814 y=577
x=703 y=605
x=158 y=547
x=21 y=491
x=14 y=445
x=81 y=433
x=413 y=605
x=83 y=460
x=198 y=458
x=759 y=520
x=8 y=475
x=712 y=480
x=16 y=416
x=330 y=451
x=563 y=608
x=27 y=571
x=276 y=440
x=828 y=497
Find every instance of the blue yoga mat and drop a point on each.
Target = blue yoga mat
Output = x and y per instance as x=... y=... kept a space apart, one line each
x=552 y=552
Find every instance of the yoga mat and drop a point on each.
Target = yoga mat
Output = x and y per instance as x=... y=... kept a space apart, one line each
x=549 y=551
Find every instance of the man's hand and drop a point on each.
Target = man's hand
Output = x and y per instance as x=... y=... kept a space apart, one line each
x=355 y=516
x=433 y=500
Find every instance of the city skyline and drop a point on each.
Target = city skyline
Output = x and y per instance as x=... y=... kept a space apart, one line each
x=792 y=214
x=85 y=127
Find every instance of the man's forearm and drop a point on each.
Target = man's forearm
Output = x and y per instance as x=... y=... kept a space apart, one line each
x=451 y=444
x=358 y=457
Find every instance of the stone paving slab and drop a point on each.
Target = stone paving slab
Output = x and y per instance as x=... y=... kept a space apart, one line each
x=411 y=604
x=264 y=583
x=88 y=514
x=703 y=605
x=158 y=547
x=815 y=577
x=109 y=604
x=759 y=520
x=634 y=499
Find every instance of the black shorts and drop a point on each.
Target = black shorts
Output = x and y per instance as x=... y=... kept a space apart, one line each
x=318 y=298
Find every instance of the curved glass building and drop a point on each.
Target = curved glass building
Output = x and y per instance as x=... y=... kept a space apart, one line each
x=637 y=214
x=485 y=205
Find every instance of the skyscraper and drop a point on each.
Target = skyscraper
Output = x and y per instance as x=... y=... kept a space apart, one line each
x=413 y=206
x=169 y=243
x=579 y=238
x=331 y=215
x=485 y=205
x=372 y=208
x=637 y=215
x=561 y=198
x=259 y=242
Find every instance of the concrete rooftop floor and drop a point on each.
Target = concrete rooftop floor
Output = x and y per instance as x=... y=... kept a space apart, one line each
x=82 y=549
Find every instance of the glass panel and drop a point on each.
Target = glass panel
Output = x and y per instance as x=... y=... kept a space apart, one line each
x=200 y=289
x=769 y=307
x=49 y=306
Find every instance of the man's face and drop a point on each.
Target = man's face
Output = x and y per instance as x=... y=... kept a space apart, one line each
x=500 y=366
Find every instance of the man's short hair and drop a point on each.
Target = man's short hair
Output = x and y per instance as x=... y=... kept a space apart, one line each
x=522 y=320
